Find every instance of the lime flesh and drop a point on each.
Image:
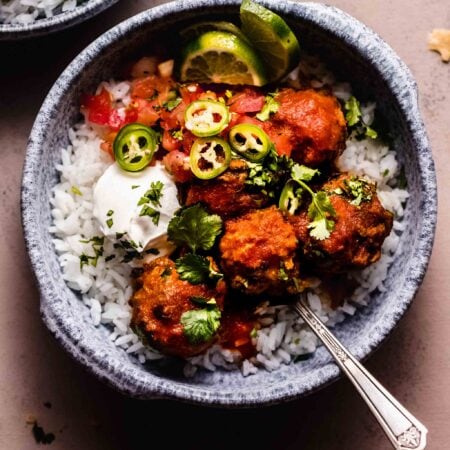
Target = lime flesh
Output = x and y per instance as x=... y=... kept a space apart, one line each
x=221 y=57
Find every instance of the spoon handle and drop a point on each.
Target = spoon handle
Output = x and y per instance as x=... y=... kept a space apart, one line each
x=403 y=430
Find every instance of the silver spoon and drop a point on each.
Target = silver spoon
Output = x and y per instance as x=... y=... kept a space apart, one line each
x=403 y=430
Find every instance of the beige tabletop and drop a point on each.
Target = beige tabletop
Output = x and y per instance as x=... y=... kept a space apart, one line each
x=37 y=378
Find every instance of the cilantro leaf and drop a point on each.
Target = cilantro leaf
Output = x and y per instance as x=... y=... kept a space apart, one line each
x=151 y=212
x=268 y=176
x=359 y=189
x=195 y=228
x=370 y=132
x=270 y=107
x=355 y=121
x=196 y=269
x=75 y=190
x=318 y=212
x=172 y=104
x=97 y=248
x=153 y=195
x=200 y=325
x=177 y=134
x=353 y=111
x=303 y=173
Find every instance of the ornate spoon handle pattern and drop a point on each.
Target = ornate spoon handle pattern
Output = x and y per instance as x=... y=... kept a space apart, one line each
x=403 y=430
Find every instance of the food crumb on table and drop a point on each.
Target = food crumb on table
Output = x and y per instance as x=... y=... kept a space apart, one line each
x=439 y=41
x=40 y=436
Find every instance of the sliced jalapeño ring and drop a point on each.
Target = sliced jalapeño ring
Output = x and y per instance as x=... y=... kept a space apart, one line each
x=250 y=141
x=209 y=157
x=134 y=147
x=205 y=118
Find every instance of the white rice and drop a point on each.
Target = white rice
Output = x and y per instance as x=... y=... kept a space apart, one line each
x=105 y=289
x=25 y=12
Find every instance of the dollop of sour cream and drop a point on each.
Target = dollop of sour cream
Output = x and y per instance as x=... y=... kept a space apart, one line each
x=119 y=199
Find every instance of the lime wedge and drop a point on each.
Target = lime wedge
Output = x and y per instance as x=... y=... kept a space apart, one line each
x=221 y=57
x=272 y=37
x=193 y=31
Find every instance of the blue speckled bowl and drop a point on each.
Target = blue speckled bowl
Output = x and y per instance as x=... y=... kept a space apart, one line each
x=354 y=52
x=10 y=32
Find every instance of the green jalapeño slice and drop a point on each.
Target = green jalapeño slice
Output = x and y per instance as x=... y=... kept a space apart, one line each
x=249 y=141
x=206 y=117
x=134 y=147
x=209 y=157
x=290 y=198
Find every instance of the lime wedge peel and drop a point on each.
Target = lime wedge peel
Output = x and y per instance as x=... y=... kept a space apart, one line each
x=194 y=31
x=221 y=57
x=272 y=37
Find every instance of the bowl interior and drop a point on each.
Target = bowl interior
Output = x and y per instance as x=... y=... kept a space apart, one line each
x=355 y=55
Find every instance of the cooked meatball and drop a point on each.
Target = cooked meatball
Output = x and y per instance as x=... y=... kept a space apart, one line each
x=309 y=125
x=258 y=251
x=227 y=194
x=361 y=226
x=159 y=303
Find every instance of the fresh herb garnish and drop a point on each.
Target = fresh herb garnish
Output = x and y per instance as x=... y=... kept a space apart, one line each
x=318 y=212
x=110 y=213
x=194 y=228
x=97 y=248
x=320 y=209
x=196 y=269
x=177 y=134
x=282 y=274
x=150 y=212
x=110 y=257
x=129 y=247
x=135 y=186
x=358 y=189
x=270 y=107
x=303 y=173
x=200 y=325
x=109 y=222
x=170 y=105
x=267 y=176
x=153 y=195
x=76 y=191
x=355 y=121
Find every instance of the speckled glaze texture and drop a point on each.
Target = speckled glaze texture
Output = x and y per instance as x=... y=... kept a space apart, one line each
x=356 y=54
x=10 y=32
